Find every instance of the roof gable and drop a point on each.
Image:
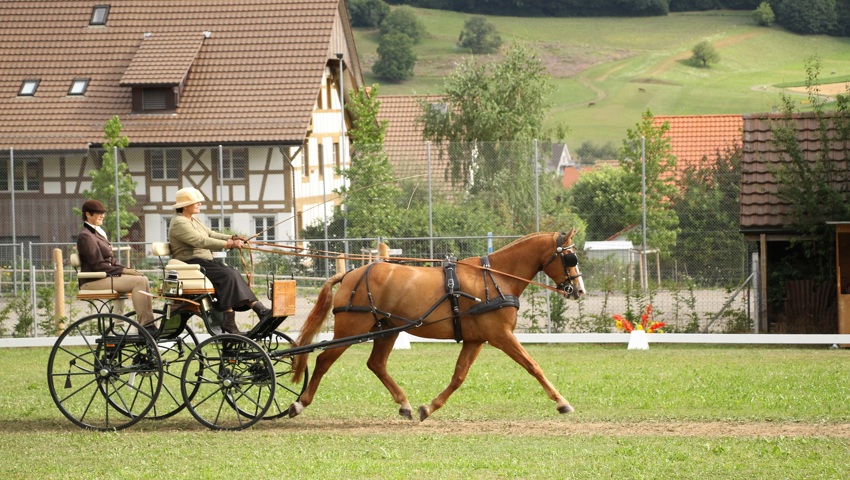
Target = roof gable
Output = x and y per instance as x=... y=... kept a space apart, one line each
x=255 y=79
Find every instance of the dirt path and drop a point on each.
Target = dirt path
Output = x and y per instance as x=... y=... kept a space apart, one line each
x=563 y=427
x=667 y=63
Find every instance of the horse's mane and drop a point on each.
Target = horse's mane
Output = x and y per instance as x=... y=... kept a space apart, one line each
x=526 y=237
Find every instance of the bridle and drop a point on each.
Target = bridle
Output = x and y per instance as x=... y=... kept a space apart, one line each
x=569 y=259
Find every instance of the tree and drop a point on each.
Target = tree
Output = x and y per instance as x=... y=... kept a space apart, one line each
x=816 y=189
x=763 y=15
x=501 y=102
x=708 y=208
x=395 y=57
x=371 y=199
x=809 y=17
x=662 y=223
x=403 y=20
x=599 y=199
x=367 y=13
x=479 y=36
x=103 y=185
x=704 y=54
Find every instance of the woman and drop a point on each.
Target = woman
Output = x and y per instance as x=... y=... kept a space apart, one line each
x=191 y=241
x=95 y=253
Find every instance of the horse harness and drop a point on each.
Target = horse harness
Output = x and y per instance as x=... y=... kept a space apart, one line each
x=453 y=294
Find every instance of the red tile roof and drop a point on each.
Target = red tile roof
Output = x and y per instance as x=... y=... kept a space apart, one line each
x=693 y=137
x=403 y=142
x=254 y=80
x=762 y=210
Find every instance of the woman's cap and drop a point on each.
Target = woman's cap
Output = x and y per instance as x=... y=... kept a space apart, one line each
x=93 y=206
x=187 y=196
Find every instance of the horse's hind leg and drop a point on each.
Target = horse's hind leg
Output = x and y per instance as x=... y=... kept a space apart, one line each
x=511 y=346
x=323 y=363
x=377 y=363
x=468 y=353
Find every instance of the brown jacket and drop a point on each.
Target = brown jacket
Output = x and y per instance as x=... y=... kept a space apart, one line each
x=96 y=255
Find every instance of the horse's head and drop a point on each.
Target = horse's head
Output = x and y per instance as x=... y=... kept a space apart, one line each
x=565 y=272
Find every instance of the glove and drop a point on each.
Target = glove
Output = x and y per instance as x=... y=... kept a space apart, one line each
x=133 y=272
x=240 y=237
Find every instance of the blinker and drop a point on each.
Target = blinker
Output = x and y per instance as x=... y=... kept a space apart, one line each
x=570 y=259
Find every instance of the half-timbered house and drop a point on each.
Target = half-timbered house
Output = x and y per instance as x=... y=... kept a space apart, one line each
x=240 y=99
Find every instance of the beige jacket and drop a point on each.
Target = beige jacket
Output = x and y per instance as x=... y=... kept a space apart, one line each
x=192 y=239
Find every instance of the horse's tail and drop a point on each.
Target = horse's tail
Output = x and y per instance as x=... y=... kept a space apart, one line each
x=314 y=323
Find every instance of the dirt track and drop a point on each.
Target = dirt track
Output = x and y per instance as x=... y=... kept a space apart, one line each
x=563 y=427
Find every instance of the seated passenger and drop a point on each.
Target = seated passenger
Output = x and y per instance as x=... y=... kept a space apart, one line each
x=96 y=255
x=191 y=241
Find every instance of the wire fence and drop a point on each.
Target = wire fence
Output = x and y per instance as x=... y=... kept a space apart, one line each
x=461 y=199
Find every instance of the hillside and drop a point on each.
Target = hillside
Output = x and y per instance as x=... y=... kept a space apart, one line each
x=608 y=70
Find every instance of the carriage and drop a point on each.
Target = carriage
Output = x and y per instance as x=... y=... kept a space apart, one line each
x=106 y=372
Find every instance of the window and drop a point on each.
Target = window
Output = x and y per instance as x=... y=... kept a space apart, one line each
x=216 y=223
x=305 y=153
x=321 y=159
x=154 y=99
x=337 y=158
x=78 y=86
x=28 y=88
x=27 y=174
x=99 y=15
x=234 y=164
x=164 y=164
x=264 y=228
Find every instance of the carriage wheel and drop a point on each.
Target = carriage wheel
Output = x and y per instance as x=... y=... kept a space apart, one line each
x=104 y=372
x=225 y=377
x=286 y=392
x=174 y=352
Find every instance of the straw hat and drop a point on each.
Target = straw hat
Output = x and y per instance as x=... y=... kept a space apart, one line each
x=187 y=196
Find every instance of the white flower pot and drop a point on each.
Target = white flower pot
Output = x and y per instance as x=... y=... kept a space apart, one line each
x=638 y=341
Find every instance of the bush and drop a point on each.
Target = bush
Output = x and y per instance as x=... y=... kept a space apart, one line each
x=704 y=54
x=403 y=20
x=479 y=36
x=810 y=17
x=367 y=13
x=763 y=15
x=395 y=57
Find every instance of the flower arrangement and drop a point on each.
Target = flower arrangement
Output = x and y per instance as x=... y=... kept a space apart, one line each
x=629 y=324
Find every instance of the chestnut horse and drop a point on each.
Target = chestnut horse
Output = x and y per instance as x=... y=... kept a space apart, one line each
x=384 y=295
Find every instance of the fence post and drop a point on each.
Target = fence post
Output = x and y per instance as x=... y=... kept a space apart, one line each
x=33 y=294
x=58 y=291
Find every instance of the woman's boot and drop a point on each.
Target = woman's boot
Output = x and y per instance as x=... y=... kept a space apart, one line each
x=228 y=323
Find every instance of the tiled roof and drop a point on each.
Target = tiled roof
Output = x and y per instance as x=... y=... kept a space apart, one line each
x=403 y=142
x=762 y=211
x=693 y=137
x=255 y=79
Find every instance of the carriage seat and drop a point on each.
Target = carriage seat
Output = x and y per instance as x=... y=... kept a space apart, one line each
x=101 y=294
x=192 y=279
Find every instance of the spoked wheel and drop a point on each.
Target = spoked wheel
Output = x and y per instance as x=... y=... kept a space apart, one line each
x=174 y=352
x=228 y=382
x=286 y=392
x=104 y=372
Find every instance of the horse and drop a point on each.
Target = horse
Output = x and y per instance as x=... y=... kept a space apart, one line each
x=386 y=296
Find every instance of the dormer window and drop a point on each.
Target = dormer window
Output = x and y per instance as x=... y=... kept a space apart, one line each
x=28 y=88
x=78 y=86
x=99 y=14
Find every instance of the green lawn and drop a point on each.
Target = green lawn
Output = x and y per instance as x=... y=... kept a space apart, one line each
x=626 y=65
x=669 y=412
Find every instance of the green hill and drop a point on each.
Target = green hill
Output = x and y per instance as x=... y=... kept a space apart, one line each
x=608 y=70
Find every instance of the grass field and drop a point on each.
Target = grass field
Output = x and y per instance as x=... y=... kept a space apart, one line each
x=669 y=412
x=625 y=65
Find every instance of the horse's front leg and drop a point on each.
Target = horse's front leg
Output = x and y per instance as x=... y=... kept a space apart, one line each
x=377 y=363
x=323 y=364
x=468 y=353
x=511 y=346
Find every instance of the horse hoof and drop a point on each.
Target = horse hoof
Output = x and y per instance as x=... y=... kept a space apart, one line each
x=566 y=409
x=406 y=413
x=295 y=409
x=423 y=413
